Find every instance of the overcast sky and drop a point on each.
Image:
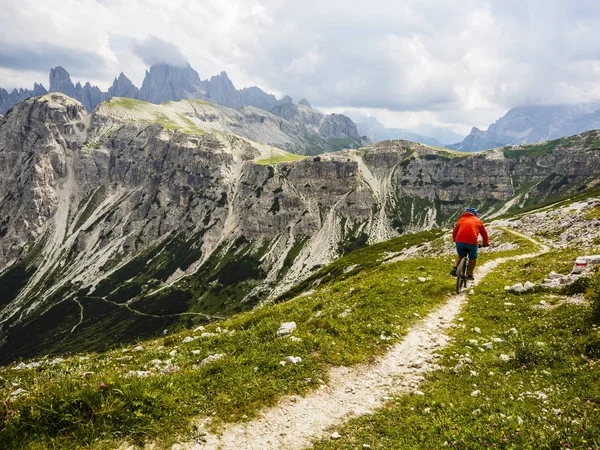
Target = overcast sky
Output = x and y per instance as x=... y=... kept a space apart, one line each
x=454 y=63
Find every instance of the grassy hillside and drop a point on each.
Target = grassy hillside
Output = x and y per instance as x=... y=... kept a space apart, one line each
x=152 y=392
x=544 y=393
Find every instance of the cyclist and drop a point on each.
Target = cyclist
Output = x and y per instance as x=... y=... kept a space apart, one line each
x=465 y=234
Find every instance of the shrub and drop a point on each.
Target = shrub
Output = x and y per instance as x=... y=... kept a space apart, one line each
x=595 y=298
x=530 y=353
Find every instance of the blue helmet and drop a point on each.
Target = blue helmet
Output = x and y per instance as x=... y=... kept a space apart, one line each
x=471 y=210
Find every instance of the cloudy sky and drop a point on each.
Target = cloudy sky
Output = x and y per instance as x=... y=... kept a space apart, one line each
x=409 y=63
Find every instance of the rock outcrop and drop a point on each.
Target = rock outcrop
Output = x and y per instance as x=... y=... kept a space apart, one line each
x=129 y=217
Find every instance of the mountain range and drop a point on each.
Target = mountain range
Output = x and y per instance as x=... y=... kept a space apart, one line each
x=314 y=131
x=140 y=217
x=535 y=123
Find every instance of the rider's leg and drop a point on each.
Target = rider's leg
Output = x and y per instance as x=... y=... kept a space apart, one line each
x=472 y=264
x=458 y=260
x=454 y=269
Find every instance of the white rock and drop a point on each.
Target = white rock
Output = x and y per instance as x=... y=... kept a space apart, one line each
x=188 y=339
x=418 y=393
x=196 y=352
x=504 y=357
x=518 y=287
x=422 y=279
x=200 y=328
x=542 y=302
x=139 y=348
x=473 y=341
x=519 y=421
x=471 y=292
x=346 y=313
x=293 y=359
x=477 y=330
x=366 y=446
x=18 y=392
x=509 y=304
x=156 y=362
x=459 y=367
x=21 y=366
x=498 y=340
x=528 y=286
x=286 y=328
x=172 y=352
x=335 y=436
x=476 y=412
x=208 y=334
x=473 y=373
x=512 y=331
x=488 y=345
x=211 y=358
x=140 y=373
x=475 y=393
x=295 y=339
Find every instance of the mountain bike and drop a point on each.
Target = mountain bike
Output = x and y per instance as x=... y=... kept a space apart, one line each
x=462 y=272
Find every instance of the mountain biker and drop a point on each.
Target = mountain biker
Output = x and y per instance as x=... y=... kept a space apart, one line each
x=465 y=234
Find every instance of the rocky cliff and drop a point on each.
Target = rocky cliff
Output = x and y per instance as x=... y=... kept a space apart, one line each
x=141 y=217
x=528 y=124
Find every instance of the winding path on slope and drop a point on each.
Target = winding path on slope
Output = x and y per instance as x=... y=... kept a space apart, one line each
x=295 y=422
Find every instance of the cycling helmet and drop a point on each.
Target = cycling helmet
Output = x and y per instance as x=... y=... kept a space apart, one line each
x=471 y=210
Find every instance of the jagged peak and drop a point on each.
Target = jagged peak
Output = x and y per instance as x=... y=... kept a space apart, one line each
x=304 y=102
x=286 y=99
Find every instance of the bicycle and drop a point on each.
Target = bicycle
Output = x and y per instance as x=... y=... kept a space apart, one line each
x=462 y=272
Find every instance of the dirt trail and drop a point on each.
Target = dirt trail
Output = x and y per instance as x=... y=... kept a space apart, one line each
x=295 y=422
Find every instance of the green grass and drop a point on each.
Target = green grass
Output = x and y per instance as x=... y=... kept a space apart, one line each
x=533 y=150
x=512 y=411
x=288 y=157
x=592 y=213
x=340 y=323
x=127 y=103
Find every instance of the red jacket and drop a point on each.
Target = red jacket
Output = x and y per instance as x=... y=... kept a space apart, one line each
x=468 y=228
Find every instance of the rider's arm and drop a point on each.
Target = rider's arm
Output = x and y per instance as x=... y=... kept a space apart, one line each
x=484 y=235
x=455 y=232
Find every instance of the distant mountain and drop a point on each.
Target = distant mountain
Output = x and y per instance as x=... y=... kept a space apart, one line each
x=529 y=124
x=443 y=134
x=123 y=87
x=161 y=83
x=376 y=132
x=8 y=100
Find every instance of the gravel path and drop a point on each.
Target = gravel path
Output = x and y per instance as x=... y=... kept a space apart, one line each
x=295 y=422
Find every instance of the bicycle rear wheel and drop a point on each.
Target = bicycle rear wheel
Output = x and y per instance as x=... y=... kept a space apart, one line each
x=461 y=275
